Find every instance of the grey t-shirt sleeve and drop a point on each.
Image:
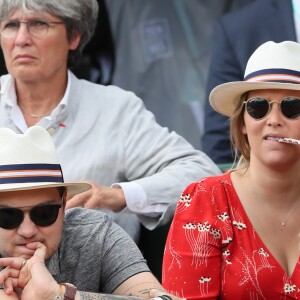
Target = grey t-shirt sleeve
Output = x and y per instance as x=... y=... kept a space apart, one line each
x=95 y=254
x=122 y=258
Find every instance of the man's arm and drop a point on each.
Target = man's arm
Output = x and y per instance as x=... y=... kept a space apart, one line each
x=34 y=281
x=94 y=296
x=135 y=287
x=161 y=162
x=140 y=286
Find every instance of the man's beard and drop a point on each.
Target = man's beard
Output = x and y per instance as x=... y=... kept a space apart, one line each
x=9 y=253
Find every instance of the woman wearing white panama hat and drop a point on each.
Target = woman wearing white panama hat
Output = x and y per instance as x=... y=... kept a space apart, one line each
x=235 y=236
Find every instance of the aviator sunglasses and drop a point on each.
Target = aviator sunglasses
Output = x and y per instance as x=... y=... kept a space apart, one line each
x=40 y=215
x=259 y=107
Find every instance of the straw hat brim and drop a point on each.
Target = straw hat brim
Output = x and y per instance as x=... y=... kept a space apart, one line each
x=225 y=97
x=73 y=188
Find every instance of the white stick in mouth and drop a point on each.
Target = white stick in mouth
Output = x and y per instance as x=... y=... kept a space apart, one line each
x=289 y=141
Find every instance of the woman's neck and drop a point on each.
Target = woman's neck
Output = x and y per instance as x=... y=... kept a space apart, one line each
x=273 y=185
x=37 y=100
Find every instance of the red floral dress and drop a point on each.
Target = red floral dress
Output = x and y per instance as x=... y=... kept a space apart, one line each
x=213 y=252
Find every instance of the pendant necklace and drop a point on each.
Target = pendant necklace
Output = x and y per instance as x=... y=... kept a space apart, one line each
x=283 y=222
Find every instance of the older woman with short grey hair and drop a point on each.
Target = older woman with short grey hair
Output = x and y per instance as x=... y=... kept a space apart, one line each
x=103 y=135
x=78 y=16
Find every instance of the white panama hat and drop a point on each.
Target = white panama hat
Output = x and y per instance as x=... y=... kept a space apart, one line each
x=271 y=66
x=29 y=161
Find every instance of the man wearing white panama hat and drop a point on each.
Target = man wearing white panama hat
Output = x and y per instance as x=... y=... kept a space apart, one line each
x=49 y=253
x=235 y=234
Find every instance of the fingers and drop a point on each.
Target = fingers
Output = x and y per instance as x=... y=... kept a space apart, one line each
x=162 y=295
x=8 y=272
x=82 y=199
x=24 y=276
x=9 y=279
x=75 y=201
x=16 y=274
x=18 y=270
x=8 y=285
x=23 y=263
x=19 y=263
x=12 y=262
x=112 y=198
x=40 y=252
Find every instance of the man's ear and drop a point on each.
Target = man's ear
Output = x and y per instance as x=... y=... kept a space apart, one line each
x=65 y=198
x=63 y=194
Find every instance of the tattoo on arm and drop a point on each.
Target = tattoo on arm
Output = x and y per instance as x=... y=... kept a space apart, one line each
x=127 y=295
x=144 y=291
x=94 y=296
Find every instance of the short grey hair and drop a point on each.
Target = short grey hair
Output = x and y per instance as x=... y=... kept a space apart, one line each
x=78 y=16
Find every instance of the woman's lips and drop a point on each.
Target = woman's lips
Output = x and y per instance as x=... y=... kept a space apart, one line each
x=273 y=138
x=24 y=58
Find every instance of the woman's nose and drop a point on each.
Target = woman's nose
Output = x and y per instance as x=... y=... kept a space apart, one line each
x=274 y=117
x=23 y=35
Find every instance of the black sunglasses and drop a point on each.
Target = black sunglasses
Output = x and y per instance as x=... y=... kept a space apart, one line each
x=259 y=107
x=40 y=215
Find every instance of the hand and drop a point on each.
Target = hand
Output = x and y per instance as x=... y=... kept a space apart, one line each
x=31 y=281
x=154 y=293
x=99 y=197
x=12 y=296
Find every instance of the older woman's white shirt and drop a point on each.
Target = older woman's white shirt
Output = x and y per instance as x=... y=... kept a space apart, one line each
x=88 y=131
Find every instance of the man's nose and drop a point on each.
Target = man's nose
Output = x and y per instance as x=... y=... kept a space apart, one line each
x=27 y=228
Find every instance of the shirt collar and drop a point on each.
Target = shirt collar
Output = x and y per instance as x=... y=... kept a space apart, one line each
x=8 y=94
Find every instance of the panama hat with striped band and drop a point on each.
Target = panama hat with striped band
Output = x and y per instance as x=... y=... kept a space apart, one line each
x=29 y=161
x=271 y=66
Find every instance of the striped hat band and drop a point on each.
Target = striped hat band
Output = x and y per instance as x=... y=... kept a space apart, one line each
x=274 y=75
x=29 y=161
x=26 y=173
x=272 y=66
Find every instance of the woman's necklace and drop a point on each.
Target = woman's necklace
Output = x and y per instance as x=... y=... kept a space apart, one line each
x=283 y=222
x=33 y=115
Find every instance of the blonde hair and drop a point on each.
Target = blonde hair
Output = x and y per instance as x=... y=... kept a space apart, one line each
x=239 y=140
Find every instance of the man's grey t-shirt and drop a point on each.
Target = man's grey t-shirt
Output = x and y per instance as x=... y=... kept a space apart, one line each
x=95 y=254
